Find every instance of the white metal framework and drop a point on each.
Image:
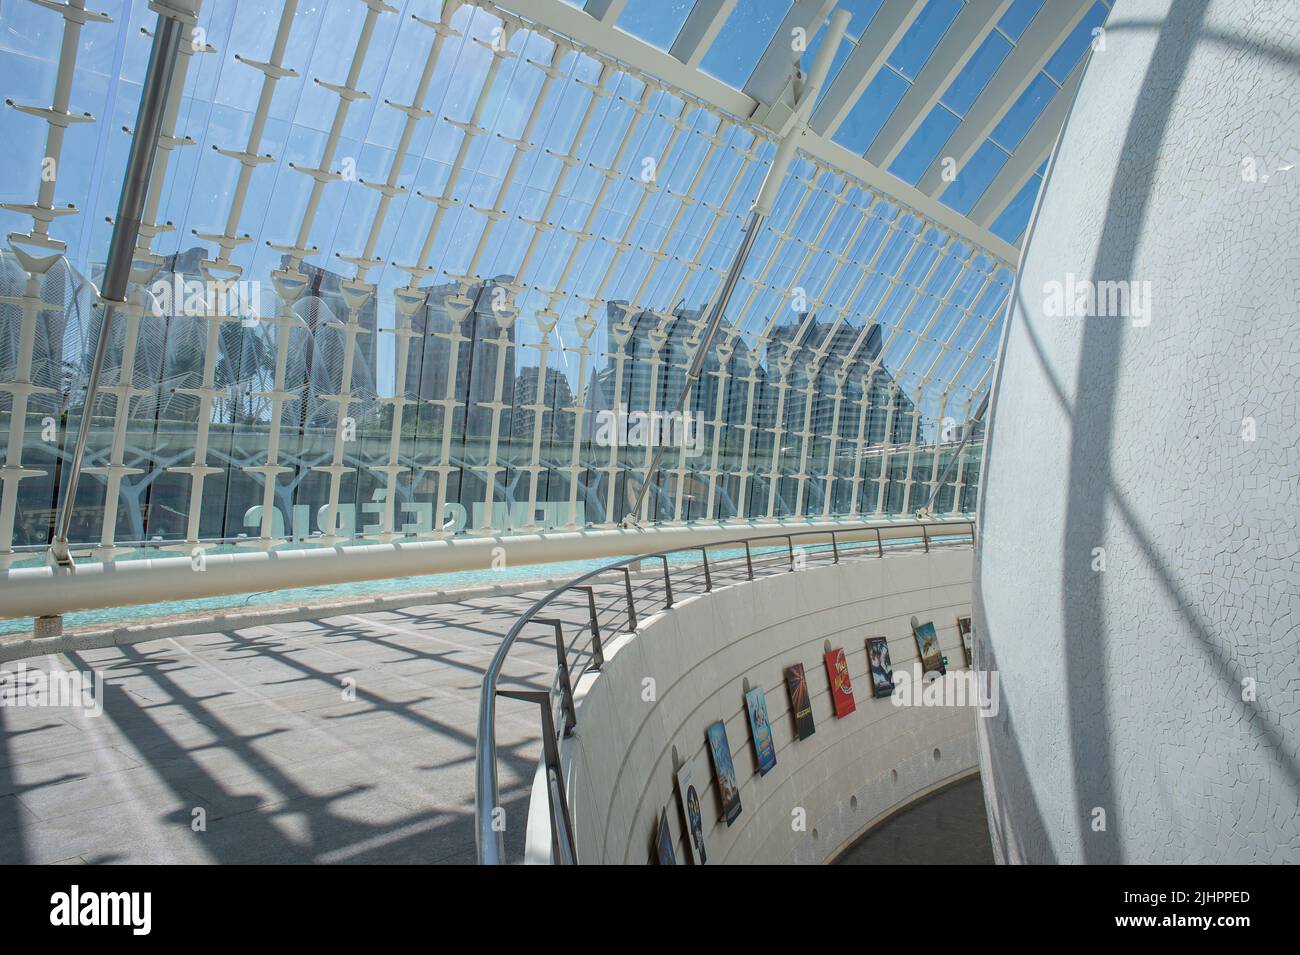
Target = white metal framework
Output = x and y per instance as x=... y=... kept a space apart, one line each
x=483 y=232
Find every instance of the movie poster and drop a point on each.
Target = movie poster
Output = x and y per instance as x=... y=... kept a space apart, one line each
x=764 y=748
x=724 y=771
x=880 y=666
x=963 y=627
x=665 y=840
x=800 y=702
x=693 y=812
x=927 y=644
x=837 y=668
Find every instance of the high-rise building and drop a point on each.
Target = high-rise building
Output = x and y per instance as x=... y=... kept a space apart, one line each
x=482 y=344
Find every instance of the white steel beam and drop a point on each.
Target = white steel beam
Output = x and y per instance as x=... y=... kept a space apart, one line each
x=1036 y=45
x=700 y=30
x=1032 y=152
x=33 y=591
x=573 y=23
x=775 y=66
x=975 y=21
x=886 y=29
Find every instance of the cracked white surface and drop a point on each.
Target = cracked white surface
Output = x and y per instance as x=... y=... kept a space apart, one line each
x=1123 y=689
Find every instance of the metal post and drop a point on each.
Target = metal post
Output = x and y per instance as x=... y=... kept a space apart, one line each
x=749 y=561
x=631 y=605
x=121 y=248
x=562 y=844
x=566 y=688
x=835 y=548
x=708 y=578
x=597 y=650
x=668 y=583
x=880 y=548
x=789 y=540
x=926 y=537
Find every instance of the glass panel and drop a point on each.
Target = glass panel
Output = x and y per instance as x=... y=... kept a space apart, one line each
x=742 y=40
x=656 y=21
x=487 y=284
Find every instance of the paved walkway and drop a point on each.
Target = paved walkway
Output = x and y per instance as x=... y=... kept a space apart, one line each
x=251 y=746
x=946 y=828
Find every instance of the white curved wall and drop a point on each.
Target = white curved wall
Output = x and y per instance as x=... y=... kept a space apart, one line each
x=620 y=763
x=1122 y=688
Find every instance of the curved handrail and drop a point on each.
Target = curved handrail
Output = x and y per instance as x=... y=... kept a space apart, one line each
x=488 y=831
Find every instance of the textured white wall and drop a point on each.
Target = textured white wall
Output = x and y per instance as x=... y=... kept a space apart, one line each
x=1122 y=688
x=620 y=764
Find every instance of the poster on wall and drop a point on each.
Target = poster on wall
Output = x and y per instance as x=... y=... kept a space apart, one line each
x=724 y=771
x=927 y=644
x=664 y=840
x=764 y=748
x=693 y=813
x=837 y=668
x=880 y=666
x=963 y=627
x=800 y=702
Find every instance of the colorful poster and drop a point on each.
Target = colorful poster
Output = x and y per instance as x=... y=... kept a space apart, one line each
x=693 y=813
x=764 y=748
x=837 y=668
x=800 y=702
x=880 y=667
x=927 y=644
x=963 y=627
x=724 y=771
x=664 y=841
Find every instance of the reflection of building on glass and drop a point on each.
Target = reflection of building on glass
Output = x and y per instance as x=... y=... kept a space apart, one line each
x=557 y=398
x=803 y=340
x=659 y=351
x=477 y=350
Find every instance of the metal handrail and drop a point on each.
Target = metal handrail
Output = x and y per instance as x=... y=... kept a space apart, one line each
x=489 y=823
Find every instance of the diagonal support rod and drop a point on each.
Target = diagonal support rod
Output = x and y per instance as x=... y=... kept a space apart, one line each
x=805 y=96
x=121 y=249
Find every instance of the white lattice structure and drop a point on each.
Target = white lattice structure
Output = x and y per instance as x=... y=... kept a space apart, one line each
x=546 y=191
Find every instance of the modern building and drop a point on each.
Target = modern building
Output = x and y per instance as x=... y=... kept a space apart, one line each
x=974 y=538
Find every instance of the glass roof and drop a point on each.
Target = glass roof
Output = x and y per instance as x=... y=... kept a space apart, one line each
x=449 y=149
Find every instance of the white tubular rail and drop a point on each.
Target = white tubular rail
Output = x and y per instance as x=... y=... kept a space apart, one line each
x=34 y=591
x=770 y=549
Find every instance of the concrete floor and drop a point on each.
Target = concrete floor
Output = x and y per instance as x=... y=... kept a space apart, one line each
x=346 y=739
x=254 y=728
x=946 y=828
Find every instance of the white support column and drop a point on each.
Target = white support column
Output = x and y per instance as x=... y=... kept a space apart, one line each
x=37 y=252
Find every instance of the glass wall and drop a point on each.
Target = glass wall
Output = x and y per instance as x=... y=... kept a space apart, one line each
x=463 y=303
